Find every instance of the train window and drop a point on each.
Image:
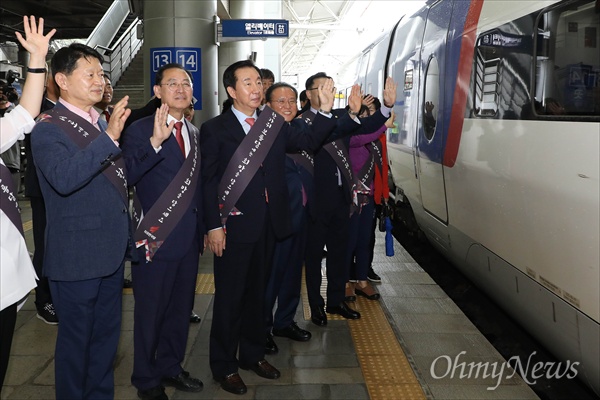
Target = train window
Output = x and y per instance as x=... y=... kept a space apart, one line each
x=567 y=60
x=487 y=78
x=432 y=96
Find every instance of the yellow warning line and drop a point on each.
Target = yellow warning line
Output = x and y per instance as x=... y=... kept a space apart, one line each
x=387 y=372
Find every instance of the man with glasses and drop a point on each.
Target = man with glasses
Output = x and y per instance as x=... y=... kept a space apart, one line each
x=285 y=279
x=335 y=192
x=163 y=162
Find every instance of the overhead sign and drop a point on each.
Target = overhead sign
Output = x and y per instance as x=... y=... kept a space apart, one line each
x=188 y=57
x=255 y=28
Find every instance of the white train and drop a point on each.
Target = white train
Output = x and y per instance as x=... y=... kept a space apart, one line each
x=496 y=154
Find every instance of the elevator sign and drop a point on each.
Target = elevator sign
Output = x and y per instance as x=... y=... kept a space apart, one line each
x=188 y=57
x=255 y=28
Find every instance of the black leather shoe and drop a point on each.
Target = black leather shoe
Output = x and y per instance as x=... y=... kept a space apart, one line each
x=183 y=382
x=264 y=369
x=233 y=383
x=127 y=284
x=344 y=311
x=293 y=332
x=318 y=316
x=195 y=318
x=155 y=393
x=271 y=346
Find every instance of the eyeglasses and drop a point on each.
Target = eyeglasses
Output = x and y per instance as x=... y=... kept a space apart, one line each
x=289 y=102
x=173 y=86
x=316 y=88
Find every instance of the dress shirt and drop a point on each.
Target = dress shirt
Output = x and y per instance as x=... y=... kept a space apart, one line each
x=242 y=118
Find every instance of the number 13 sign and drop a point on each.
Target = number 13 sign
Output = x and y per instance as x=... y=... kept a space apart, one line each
x=188 y=57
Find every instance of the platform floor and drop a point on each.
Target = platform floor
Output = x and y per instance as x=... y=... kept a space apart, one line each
x=408 y=345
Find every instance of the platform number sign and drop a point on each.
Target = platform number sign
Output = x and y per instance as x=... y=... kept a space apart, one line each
x=188 y=57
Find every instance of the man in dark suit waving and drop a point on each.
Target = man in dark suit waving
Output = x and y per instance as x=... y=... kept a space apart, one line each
x=163 y=160
x=246 y=209
x=82 y=178
x=335 y=192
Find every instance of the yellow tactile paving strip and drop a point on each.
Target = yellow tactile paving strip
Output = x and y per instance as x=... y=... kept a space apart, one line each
x=387 y=372
x=205 y=284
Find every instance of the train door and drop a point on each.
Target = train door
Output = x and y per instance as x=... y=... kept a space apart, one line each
x=430 y=138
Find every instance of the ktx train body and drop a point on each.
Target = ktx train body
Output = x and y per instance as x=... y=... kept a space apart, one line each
x=496 y=154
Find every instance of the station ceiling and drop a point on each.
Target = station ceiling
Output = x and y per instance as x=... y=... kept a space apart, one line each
x=73 y=19
x=324 y=34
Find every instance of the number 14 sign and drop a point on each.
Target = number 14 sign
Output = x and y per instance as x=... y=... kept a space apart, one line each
x=188 y=57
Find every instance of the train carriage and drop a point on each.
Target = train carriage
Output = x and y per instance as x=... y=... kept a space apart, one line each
x=496 y=154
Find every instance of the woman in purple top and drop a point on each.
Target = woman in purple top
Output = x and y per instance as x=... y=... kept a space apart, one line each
x=365 y=153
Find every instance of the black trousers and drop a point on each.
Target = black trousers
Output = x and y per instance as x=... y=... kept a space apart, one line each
x=38 y=218
x=329 y=230
x=238 y=324
x=8 y=319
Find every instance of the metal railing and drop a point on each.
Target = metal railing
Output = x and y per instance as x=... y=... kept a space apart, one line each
x=122 y=52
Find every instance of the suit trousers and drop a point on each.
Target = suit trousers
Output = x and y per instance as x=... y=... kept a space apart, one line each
x=163 y=292
x=285 y=280
x=238 y=310
x=331 y=231
x=88 y=335
x=359 y=241
x=38 y=217
x=8 y=319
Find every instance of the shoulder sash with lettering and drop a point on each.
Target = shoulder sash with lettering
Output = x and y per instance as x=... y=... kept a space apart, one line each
x=83 y=133
x=365 y=176
x=338 y=151
x=247 y=159
x=8 y=200
x=156 y=225
x=377 y=151
x=305 y=160
x=308 y=117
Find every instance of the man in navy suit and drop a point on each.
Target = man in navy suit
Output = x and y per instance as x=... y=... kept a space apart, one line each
x=82 y=178
x=163 y=162
x=285 y=279
x=242 y=233
x=330 y=214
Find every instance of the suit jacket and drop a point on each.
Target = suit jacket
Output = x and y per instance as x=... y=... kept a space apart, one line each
x=220 y=137
x=151 y=172
x=32 y=185
x=326 y=171
x=87 y=228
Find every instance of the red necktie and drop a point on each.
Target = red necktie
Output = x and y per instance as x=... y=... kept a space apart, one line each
x=179 y=137
x=106 y=115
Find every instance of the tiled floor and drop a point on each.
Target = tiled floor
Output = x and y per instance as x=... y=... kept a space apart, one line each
x=387 y=354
